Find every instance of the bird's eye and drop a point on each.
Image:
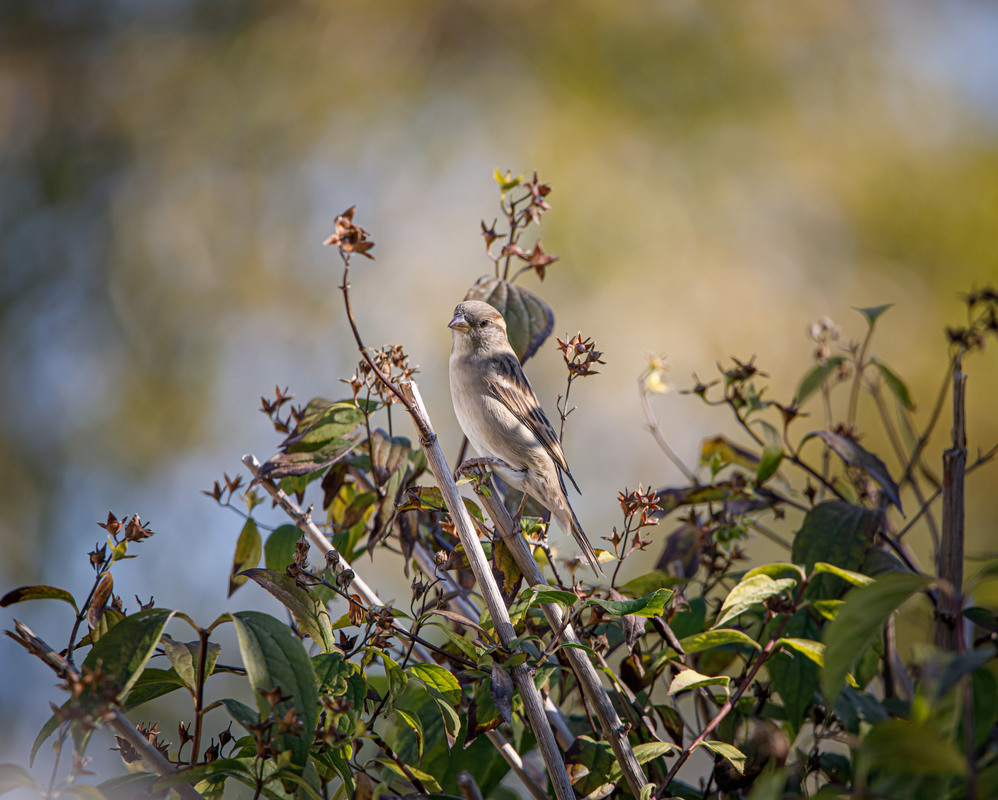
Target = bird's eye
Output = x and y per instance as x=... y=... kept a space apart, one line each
x=484 y=322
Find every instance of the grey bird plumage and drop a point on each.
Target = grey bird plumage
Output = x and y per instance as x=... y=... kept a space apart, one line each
x=500 y=415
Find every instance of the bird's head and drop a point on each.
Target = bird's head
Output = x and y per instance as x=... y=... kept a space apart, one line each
x=478 y=325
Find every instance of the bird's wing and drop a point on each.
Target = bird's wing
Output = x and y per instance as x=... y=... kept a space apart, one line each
x=509 y=386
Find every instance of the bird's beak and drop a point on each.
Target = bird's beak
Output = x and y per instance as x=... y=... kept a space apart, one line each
x=459 y=323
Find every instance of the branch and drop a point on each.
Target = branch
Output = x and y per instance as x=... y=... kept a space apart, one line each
x=305 y=524
x=118 y=722
x=490 y=591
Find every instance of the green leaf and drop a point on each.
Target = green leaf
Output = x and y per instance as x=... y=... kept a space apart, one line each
x=649 y=582
x=529 y=320
x=895 y=384
x=774 y=570
x=716 y=638
x=279 y=549
x=748 y=593
x=324 y=422
x=248 y=551
x=429 y=782
x=548 y=594
x=241 y=713
x=837 y=534
x=273 y=656
x=436 y=677
x=806 y=647
x=772 y=453
x=855 y=455
x=128 y=786
x=47 y=730
x=691 y=679
x=124 y=650
x=902 y=746
x=871 y=313
x=415 y=725
x=221 y=767
x=855 y=578
x=153 y=683
x=860 y=619
x=729 y=752
x=651 y=605
x=37 y=593
x=186 y=658
x=14 y=777
x=814 y=377
x=311 y=615
x=643 y=753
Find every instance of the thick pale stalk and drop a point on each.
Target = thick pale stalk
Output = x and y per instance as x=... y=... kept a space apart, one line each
x=614 y=730
x=304 y=522
x=490 y=591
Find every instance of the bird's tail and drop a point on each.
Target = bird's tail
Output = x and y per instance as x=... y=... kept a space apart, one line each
x=587 y=549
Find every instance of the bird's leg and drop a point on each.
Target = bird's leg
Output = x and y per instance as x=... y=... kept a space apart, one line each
x=471 y=466
x=519 y=510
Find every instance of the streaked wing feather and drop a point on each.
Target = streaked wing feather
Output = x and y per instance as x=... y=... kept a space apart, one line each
x=512 y=390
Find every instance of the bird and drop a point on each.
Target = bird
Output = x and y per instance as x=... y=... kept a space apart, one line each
x=502 y=418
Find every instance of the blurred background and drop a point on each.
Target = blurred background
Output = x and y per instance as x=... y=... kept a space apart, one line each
x=723 y=175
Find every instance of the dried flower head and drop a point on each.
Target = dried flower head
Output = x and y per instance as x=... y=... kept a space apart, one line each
x=350 y=238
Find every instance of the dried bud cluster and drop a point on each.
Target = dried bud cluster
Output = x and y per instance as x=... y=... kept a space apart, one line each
x=580 y=355
x=350 y=238
x=393 y=362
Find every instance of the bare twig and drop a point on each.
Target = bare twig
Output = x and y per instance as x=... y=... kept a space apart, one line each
x=656 y=432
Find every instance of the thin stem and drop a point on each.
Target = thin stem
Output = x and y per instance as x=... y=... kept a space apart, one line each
x=660 y=440
x=860 y=366
x=199 y=694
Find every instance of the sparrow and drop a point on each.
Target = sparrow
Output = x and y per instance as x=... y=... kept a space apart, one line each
x=500 y=415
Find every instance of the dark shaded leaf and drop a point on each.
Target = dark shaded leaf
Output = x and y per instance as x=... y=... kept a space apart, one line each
x=589 y=763
x=125 y=649
x=249 y=548
x=279 y=549
x=859 y=622
x=501 y=690
x=39 y=592
x=850 y=452
x=895 y=384
x=837 y=534
x=529 y=320
x=903 y=746
x=153 y=683
x=814 y=377
x=871 y=313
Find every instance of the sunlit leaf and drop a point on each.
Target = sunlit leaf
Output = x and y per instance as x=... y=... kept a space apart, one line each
x=716 y=638
x=727 y=751
x=650 y=605
x=749 y=593
x=813 y=650
x=855 y=578
x=691 y=679
x=440 y=679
